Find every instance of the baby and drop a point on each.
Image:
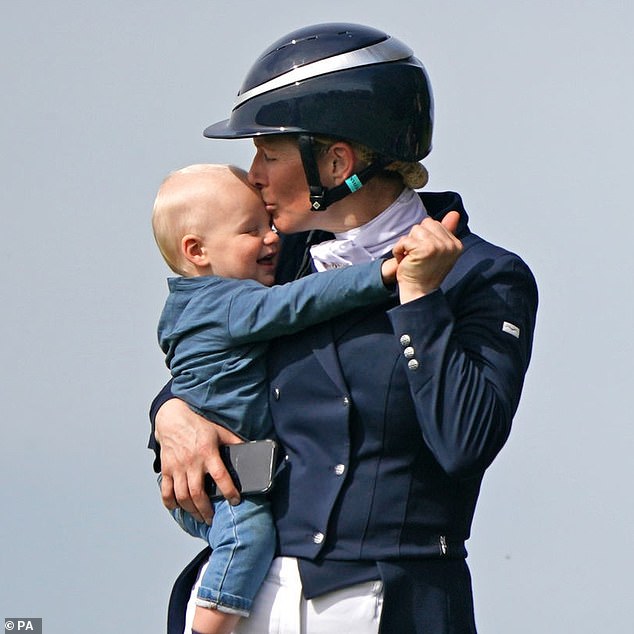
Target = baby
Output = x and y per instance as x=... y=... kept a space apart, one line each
x=213 y=231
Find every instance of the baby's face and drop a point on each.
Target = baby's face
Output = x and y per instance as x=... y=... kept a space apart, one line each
x=242 y=244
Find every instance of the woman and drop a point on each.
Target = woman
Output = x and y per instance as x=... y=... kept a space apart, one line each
x=389 y=416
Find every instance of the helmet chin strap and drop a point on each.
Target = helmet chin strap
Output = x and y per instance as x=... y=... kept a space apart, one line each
x=320 y=197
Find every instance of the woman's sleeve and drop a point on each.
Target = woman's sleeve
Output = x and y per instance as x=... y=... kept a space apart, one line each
x=162 y=397
x=466 y=349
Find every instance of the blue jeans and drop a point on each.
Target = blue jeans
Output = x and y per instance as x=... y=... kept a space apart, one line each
x=242 y=539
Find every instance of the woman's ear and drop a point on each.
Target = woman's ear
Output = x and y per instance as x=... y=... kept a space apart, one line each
x=194 y=250
x=340 y=162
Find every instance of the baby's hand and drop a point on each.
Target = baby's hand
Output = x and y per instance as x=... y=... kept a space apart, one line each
x=388 y=271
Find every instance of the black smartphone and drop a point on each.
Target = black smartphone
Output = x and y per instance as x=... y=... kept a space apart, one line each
x=250 y=464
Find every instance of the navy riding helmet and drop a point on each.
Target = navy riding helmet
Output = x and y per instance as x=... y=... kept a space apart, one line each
x=346 y=81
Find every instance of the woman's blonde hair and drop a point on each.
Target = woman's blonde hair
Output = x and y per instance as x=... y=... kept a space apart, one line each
x=414 y=175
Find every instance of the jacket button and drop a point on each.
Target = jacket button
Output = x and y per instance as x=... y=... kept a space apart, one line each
x=340 y=469
x=318 y=537
x=412 y=364
x=408 y=352
x=276 y=393
x=346 y=401
x=405 y=340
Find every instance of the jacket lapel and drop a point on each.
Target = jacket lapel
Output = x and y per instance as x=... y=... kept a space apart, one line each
x=324 y=349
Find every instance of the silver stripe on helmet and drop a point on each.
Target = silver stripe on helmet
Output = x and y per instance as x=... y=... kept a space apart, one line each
x=390 y=50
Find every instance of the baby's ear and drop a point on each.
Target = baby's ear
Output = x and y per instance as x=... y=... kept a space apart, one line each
x=194 y=250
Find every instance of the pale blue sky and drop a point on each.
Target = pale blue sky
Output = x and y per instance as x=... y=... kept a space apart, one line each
x=100 y=100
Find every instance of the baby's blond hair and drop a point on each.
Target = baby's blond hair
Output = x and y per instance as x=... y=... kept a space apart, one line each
x=413 y=174
x=179 y=209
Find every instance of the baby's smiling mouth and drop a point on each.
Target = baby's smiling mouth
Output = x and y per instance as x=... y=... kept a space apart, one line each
x=267 y=259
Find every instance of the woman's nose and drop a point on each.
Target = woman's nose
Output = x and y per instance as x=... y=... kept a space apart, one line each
x=254 y=175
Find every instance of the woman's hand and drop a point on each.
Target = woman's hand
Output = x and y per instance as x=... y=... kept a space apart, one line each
x=189 y=450
x=426 y=256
